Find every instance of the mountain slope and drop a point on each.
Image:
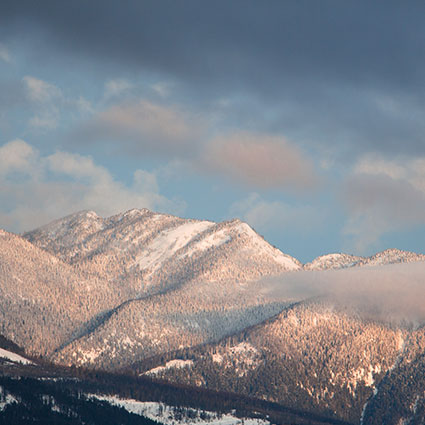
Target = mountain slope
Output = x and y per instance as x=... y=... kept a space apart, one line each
x=44 y=300
x=312 y=355
x=193 y=314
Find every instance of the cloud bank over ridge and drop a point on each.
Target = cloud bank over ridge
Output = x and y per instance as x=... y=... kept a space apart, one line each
x=390 y=293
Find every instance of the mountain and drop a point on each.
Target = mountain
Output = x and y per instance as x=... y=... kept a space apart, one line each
x=81 y=289
x=215 y=306
x=333 y=262
x=179 y=282
x=161 y=250
x=44 y=300
x=151 y=252
x=343 y=261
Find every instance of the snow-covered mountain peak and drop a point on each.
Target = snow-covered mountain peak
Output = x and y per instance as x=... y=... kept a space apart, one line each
x=68 y=230
x=79 y=216
x=392 y=256
x=342 y=261
x=333 y=262
x=134 y=213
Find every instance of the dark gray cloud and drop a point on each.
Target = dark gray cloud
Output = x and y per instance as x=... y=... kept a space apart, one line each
x=348 y=74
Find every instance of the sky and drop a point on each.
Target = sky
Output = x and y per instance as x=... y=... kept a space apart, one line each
x=303 y=118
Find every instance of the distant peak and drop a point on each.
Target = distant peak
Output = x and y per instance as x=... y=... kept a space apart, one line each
x=135 y=212
x=82 y=214
x=90 y=214
x=138 y=211
x=392 y=251
x=235 y=220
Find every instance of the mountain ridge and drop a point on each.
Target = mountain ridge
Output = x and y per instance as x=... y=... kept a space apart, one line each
x=45 y=237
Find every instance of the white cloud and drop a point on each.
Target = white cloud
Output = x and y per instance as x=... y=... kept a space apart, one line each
x=267 y=215
x=383 y=196
x=48 y=119
x=41 y=91
x=162 y=88
x=46 y=98
x=4 y=54
x=35 y=189
x=83 y=105
x=17 y=155
x=116 y=87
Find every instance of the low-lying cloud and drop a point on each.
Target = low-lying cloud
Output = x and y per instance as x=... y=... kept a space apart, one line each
x=392 y=293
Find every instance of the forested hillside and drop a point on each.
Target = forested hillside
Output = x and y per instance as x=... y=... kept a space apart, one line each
x=315 y=355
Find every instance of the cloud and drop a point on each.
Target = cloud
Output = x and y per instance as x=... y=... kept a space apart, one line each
x=36 y=189
x=275 y=215
x=145 y=127
x=41 y=91
x=83 y=105
x=17 y=156
x=260 y=160
x=391 y=293
x=46 y=97
x=116 y=87
x=46 y=120
x=383 y=196
x=4 y=54
x=163 y=89
x=307 y=70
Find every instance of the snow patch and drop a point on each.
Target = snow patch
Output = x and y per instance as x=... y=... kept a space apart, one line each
x=215 y=239
x=9 y=355
x=169 y=415
x=244 y=348
x=168 y=242
x=217 y=358
x=89 y=356
x=5 y=399
x=172 y=364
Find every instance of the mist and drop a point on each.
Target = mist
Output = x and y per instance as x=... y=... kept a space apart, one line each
x=392 y=293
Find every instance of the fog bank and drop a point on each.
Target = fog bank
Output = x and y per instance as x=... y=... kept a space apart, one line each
x=393 y=293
